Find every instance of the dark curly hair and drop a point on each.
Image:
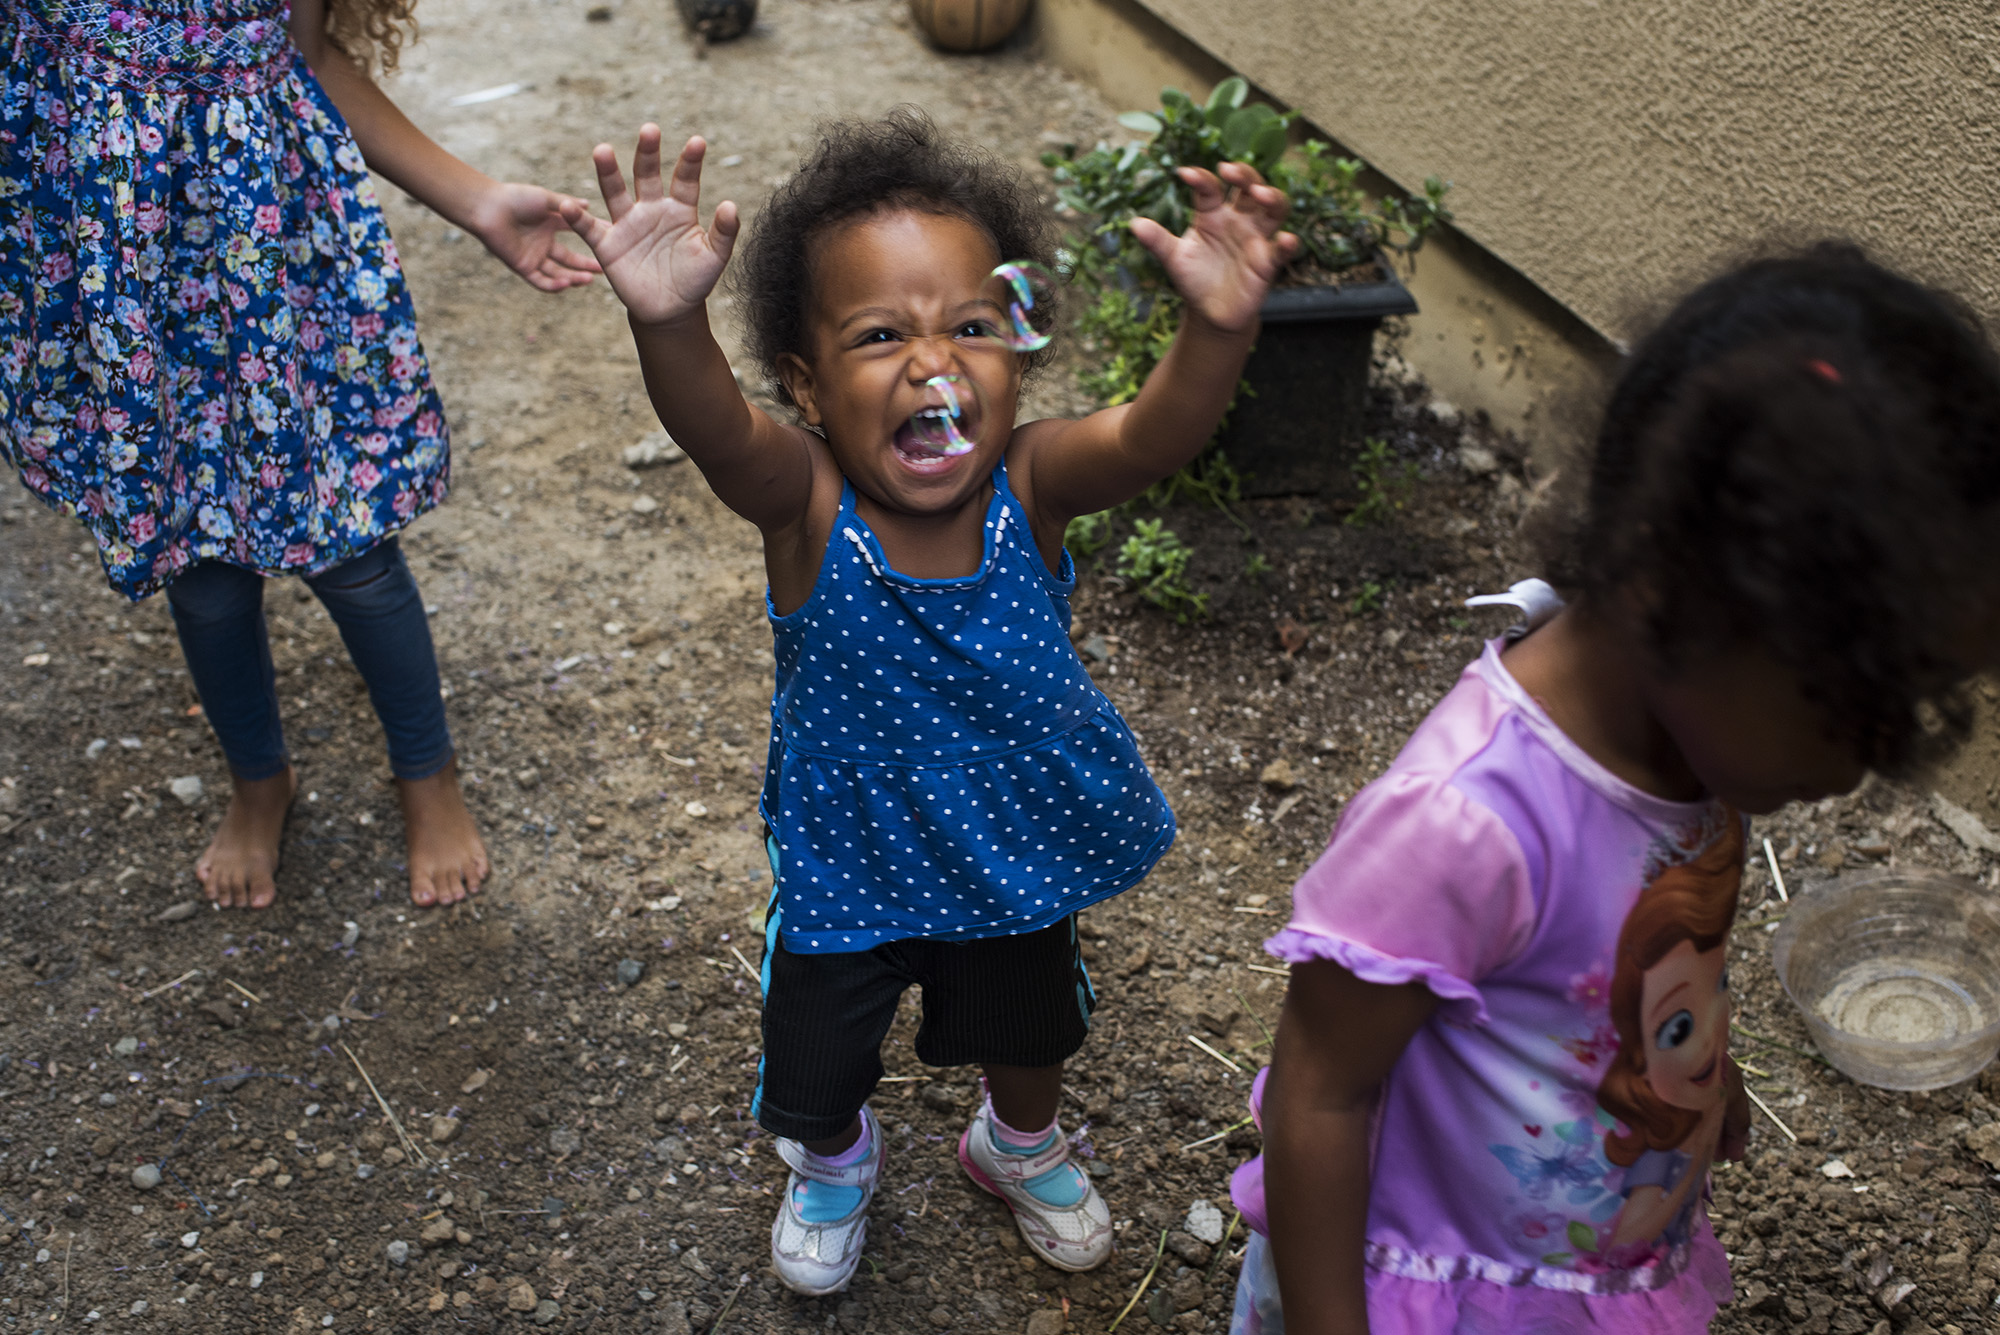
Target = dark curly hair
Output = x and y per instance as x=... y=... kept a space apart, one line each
x=1805 y=456
x=865 y=167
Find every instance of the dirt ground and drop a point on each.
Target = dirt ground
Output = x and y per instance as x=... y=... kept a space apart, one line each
x=572 y=1054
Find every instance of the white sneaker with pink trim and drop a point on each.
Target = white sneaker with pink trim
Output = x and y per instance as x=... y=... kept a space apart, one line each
x=1055 y=1205
x=822 y=1221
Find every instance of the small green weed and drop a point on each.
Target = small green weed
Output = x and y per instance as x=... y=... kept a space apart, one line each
x=1369 y=599
x=1381 y=481
x=1256 y=567
x=1087 y=535
x=1156 y=560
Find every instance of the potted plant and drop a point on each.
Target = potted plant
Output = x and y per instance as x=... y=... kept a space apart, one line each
x=1297 y=421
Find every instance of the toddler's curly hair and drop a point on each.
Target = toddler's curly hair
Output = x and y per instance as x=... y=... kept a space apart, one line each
x=859 y=168
x=1805 y=456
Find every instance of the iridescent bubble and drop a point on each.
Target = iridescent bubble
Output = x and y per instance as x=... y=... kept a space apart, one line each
x=1025 y=293
x=937 y=426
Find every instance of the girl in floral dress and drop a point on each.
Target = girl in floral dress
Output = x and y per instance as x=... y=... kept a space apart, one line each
x=208 y=355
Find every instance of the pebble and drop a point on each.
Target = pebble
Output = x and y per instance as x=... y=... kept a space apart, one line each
x=546 y=1311
x=1478 y=460
x=1204 y=1221
x=177 y=912
x=256 y=1279
x=188 y=788
x=145 y=1177
x=349 y=934
x=107 y=1100
x=1278 y=774
x=138 y=1308
x=521 y=1298
x=630 y=972
x=188 y=1240
x=1046 y=1322
x=644 y=505
x=444 y=1130
x=565 y=1140
x=364 y=1171
x=438 y=1232
x=96 y=748
x=125 y=1047
x=652 y=450
x=399 y=1252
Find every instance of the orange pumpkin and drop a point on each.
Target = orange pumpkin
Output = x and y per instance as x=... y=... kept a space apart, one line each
x=968 y=25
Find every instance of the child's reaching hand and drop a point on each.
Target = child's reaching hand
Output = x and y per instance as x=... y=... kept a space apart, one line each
x=658 y=259
x=519 y=224
x=1232 y=250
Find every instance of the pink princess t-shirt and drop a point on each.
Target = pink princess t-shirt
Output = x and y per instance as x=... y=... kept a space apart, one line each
x=1542 y=1146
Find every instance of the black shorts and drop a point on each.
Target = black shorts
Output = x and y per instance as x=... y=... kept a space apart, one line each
x=1005 y=1000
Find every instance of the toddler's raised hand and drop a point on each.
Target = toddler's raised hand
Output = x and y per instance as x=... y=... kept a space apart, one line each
x=1227 y=259
x=658 y=259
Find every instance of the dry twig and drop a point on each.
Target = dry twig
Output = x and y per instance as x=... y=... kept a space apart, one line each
x=1777 y=877
x=410 y=1146
x=1145 y=1283
x=1213 y=1053
x=741 y=1284
x=244 y=990
x=168 y=987
x=1269 y=1037
x=1210 y=1140
x=1765 y=1108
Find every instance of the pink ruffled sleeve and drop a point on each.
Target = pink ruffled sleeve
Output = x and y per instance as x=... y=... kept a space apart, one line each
x=1419 y=884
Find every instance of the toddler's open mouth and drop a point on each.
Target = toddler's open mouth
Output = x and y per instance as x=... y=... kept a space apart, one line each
x=942 y=428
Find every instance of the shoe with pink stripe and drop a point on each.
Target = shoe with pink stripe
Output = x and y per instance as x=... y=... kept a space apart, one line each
x=1057 y=1209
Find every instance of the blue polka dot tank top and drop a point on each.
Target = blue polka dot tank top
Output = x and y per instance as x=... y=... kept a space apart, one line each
x=941 y=764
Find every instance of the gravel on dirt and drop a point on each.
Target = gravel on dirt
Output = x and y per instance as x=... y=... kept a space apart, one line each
x=607 y=670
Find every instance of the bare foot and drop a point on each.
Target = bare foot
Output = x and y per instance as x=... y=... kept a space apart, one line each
x=240 y=868
x=447 y=861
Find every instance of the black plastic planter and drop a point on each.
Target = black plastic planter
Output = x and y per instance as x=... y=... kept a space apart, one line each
x=1301 y=428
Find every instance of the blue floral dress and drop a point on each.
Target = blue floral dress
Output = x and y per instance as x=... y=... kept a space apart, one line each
x=207 y=349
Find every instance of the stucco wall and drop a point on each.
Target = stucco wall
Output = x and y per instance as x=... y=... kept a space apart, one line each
x=1611 y=150
x=1487 y=339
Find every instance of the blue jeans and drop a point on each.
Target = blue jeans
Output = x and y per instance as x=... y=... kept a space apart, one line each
x=219 y=612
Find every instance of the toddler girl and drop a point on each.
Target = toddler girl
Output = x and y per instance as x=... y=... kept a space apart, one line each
x=208 y=355
x=1501 y=1075
x=946 y=785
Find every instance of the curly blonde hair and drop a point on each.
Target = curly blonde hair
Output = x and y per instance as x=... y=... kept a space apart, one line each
x=371 y=33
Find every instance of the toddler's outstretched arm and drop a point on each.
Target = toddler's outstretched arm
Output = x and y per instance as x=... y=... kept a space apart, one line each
x=1338 y=1039
x=518 y=223
x=1222 y=266
x=663 y=265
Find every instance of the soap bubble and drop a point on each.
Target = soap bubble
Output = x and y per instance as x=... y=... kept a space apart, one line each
x=937 y=425
x=1025 y=293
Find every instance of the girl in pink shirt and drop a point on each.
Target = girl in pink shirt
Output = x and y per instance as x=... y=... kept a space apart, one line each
x=1502 y=1071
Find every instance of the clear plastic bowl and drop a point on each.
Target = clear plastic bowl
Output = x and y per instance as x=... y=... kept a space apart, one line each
x=1897 y=974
